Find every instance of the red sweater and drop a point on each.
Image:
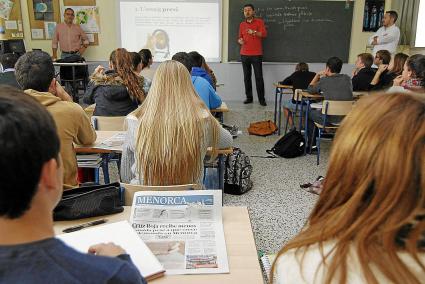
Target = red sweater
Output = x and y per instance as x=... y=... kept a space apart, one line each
x=252 y=43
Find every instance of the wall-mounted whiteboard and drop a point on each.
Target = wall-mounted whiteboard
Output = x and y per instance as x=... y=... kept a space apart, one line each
x=168 y=27
x=420 y=26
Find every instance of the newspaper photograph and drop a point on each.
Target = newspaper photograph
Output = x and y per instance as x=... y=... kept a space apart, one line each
x=184 y=229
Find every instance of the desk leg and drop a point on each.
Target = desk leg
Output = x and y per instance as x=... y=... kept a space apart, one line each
x=280 y=112
x=74 y=87
x=307 y=109
x=275 y=106
x=105 y=168
x=220 y=170
x=301 y=115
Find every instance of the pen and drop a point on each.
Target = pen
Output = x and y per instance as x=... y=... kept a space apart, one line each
x=85 y=225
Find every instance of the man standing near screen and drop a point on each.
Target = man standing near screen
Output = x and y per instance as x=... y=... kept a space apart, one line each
x=251 y=33
x=70 y=36
x=387 y=37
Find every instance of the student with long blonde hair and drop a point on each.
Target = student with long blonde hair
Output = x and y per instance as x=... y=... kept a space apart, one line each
x=368 y=225
x=168 y=135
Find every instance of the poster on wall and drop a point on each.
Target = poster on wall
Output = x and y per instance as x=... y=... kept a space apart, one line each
x=87 y=17
x=43 y=10
x=5 y=8
x=373 y=15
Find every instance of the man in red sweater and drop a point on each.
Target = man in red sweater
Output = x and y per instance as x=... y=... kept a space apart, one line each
x=251 y=33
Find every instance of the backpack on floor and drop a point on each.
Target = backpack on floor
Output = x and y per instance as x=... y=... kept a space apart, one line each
x=262 y=128
x=291 y=145
x=237 y=175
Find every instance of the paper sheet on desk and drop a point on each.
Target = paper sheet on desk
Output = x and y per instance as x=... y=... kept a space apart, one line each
x=113 y=142
x=122 y=234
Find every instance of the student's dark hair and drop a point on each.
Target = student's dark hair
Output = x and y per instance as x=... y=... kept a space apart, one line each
x=184 y=59
x=249 y=5
x=384 y=55
x=69 y=9
x=302 y=66
x=399 y=60
x=146 y=56
x=367 y=59
x=136 y=59
x=334 y=64
x=35 y=70
x=122 y=63
x=28 y=139
x=416 y=64
x=8 y=60
x=197 y=59
x=393 y=14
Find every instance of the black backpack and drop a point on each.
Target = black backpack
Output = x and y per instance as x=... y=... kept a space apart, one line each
x=291 y=145
x=81 y=72
x=237 y=175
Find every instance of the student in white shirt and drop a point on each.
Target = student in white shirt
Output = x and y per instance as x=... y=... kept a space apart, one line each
x=387 y=37
x=368 y=225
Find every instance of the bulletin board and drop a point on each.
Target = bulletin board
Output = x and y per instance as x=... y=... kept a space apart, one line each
x=93 y=36
x=43 y=16
x=11 y=20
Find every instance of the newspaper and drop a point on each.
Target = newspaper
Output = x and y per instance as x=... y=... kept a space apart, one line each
x=184 y=229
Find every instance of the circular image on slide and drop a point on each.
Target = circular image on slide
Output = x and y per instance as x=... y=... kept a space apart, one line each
x=82 y=17
x=159 y=44
x=41 y=7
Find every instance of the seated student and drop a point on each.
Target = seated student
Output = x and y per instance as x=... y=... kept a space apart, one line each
x=168 y=135
x=147 y=60
x=210 y=72
x=413 y=77
x=32 y=186
x=368 y=225
x=117 y=91
x=197 y=69
x=383 y=78
x=394 y=69
x=136 y=60
x=363 y=73
x=300 y=79
x=7 y=76
x=334 y=87
x=36 y=74
x=202 y=87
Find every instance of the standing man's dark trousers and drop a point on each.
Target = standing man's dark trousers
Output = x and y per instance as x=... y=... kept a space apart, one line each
x=256 y=61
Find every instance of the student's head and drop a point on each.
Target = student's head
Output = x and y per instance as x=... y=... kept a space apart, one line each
x=197 y=59
x=121 y=61
x=248 y=11
x=172 y=123
x=185 y=59
x=382 y=57
x=8 y=60
x=414 y=68
x=374 y=193
x=35 y=70
x=137 y=62
x=390 y=18
x=302 y=66
x=29 y=149
x=364 y=60
x=333 y=65
x=397 y=63
x=69 y=15
x=146 y=57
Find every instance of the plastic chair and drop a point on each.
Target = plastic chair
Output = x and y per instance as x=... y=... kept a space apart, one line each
x=130 y=189
x=341 y=108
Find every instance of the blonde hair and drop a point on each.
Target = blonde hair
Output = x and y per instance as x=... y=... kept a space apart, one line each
x=174 y=122
x=374 y=191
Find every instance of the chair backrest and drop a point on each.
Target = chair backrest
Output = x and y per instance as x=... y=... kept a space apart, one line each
x=130 y=189
x=108 y=123
x=337 y=107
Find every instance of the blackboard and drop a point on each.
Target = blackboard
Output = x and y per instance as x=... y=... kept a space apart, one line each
x=308 y=31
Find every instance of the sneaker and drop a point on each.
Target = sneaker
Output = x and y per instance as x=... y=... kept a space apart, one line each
x=247 y=101
x=263 y=103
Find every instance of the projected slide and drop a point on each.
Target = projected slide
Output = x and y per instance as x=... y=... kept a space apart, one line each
x=169 y=27
x=420 y=26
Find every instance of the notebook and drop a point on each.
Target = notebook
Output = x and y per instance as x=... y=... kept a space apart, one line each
x=266 y=262
x=122 y=234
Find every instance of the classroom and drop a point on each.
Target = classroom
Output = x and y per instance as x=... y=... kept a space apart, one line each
x=136 y=147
